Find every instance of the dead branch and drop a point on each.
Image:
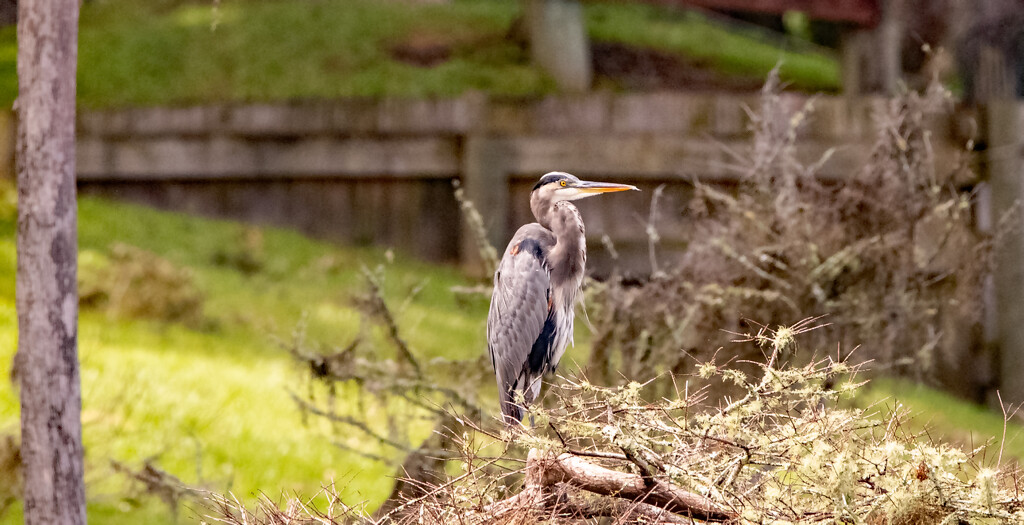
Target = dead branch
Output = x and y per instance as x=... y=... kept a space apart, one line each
x=157 y=482
x=622 y=511
x=352 y=422
x=488 y=254
x=420 y=468
x=377 y=308
x=544 y=471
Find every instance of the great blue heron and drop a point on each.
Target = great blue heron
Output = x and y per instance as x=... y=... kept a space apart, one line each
x=536 y=287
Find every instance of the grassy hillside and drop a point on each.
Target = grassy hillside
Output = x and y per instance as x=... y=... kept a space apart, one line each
x=207 y=399
x=146 y=52
x=725 y=48
x=939 y=416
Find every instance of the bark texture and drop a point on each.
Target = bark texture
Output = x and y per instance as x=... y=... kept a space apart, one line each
x=47 y=298
x=647 y=497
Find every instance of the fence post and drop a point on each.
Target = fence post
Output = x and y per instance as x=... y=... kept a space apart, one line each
x=559 y=43
x=485 y=162
x=1003 y=157
x=870 y=58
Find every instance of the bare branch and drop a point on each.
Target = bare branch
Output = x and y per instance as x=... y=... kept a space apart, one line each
x=545 y=470
x=378 y=308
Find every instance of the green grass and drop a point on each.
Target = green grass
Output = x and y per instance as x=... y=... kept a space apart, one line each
x=211 y=404
x=726 y=49
x=942 y=417
x=176 y=52
x=133 y=52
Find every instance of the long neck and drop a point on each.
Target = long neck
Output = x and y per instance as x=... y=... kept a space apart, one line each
x=568 y=257
x=542 y=208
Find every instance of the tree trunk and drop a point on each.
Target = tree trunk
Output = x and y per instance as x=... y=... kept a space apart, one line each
x=47 y=298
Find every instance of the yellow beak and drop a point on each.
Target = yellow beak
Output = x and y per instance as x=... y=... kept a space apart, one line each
x=585 y=186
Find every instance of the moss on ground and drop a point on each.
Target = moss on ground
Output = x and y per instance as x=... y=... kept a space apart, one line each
x=177 y=52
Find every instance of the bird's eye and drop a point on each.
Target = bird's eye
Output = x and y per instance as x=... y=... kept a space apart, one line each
x=562 y=183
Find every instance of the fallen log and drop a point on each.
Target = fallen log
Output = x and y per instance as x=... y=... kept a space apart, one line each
x=545 y=470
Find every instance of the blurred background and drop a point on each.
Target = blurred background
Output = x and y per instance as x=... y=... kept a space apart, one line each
x=269 y=223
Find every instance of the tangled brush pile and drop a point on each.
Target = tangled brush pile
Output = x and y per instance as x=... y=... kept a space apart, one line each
x=787 y=451
x=888 y=250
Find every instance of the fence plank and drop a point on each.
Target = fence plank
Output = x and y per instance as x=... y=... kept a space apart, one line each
x=1006 y=170
x=335 y=155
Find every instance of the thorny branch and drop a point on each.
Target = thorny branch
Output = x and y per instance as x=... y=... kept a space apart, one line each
x=787 y=453
x=488 y=254
x=376 y=307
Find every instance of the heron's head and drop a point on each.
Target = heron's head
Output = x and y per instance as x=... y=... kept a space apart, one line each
x=558 y=186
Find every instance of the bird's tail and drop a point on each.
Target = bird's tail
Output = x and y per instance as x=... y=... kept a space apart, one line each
x=514 y=400
x=511 y=412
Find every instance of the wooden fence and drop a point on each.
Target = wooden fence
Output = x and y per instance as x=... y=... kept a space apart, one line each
x=381 y=172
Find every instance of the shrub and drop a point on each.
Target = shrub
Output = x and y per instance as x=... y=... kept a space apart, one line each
x=786 y=451
x=135 y=283
x=247 y=255
x=887 y=252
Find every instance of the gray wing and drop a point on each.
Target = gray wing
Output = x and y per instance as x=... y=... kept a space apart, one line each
x=519 y=307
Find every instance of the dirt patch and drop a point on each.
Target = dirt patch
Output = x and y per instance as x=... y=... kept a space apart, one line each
x=619 y=65
x=640 y=69
x=423 y=50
